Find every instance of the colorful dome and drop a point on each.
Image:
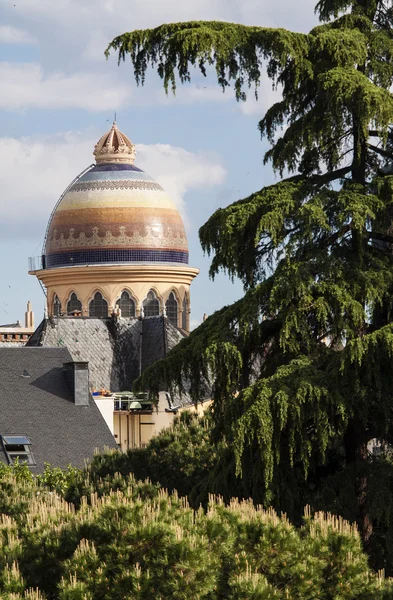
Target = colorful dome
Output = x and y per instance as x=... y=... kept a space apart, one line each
x=115 y=213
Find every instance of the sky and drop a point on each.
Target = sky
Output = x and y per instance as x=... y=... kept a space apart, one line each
x=59 y=94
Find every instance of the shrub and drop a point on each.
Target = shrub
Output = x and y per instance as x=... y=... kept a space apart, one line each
x=134 y=540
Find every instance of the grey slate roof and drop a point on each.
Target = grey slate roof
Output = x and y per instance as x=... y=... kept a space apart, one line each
x=110 y=347
x=41 y=406
x=153 y=341
x=116 y=349
x=159 y=336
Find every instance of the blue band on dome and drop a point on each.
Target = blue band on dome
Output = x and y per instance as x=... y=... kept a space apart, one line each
x=115 y=167
x=115 y=176
x=99 y=257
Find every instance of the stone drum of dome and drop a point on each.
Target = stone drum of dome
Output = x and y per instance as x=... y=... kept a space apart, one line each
x=115 y=213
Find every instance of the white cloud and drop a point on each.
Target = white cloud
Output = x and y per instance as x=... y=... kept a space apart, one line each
x=35 y=171
x=24 y=86
x=94 y=23
x=179 y=170
x=123 y=14
x=297 y=16
x=94 y=49
x=14 y=35
x=77 y=75
x=126 y=15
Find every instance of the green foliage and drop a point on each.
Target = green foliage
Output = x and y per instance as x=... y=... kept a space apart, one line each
x=302 y=364
x=126 y=545
x=20 y=471
x=179 y=458
x=59 y=480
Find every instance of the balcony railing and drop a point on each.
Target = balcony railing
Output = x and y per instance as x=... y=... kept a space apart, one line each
x=132 y=406
x=36 y=263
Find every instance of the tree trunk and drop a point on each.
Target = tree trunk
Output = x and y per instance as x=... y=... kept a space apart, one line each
x=356 y=454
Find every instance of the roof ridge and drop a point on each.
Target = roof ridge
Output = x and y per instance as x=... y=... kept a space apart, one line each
x=164 y=319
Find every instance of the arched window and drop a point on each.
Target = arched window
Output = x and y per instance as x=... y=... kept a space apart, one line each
x=172 y=309
x=151 y=305
x=74 y=305
x=184 y=314
x=98 y=307
x=126 y=305
x=56 y=306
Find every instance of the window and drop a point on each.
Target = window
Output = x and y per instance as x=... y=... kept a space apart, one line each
x=126 y=305
x=184 y=314
x=74 y=305
x=18 y=446
x=57 y=306
x=151 y=306
x=171 y=309
x=98 y=307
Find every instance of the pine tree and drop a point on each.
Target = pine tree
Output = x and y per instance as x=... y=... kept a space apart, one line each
x=303 y=363
x=122 y=545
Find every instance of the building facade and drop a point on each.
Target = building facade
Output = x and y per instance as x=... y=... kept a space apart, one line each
x=116 y=243
x=16 y=334
x=116 y=274
x=47 y=412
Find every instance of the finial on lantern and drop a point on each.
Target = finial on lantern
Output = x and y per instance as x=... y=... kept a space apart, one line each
x=114 y=147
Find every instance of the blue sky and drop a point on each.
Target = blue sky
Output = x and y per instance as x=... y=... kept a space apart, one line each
x=58 y=96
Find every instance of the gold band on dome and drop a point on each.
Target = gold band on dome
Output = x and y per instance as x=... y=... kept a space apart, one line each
x=116 y=199
x=137 y=218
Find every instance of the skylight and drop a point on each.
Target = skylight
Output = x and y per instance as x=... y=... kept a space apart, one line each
x=18 y=447
x=16 y=439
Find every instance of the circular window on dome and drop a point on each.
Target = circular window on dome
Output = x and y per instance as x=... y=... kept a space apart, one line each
x=98 y=306
x=151 y=305
x=126 y=305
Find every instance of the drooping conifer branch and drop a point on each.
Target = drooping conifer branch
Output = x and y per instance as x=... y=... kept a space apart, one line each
x=236 y=51
x=304 y=358
x=381 y=151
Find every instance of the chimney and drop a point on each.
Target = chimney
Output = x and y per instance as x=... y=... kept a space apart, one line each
x=116 y=313
x=77 y=374
x=29 y=317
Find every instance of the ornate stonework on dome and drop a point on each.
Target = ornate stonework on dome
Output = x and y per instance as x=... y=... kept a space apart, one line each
x=151 y=238
x=115 y=147
x=123 y=184
x=115 y=213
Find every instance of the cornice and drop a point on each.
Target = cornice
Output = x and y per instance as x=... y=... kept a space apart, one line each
x=117 y=274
